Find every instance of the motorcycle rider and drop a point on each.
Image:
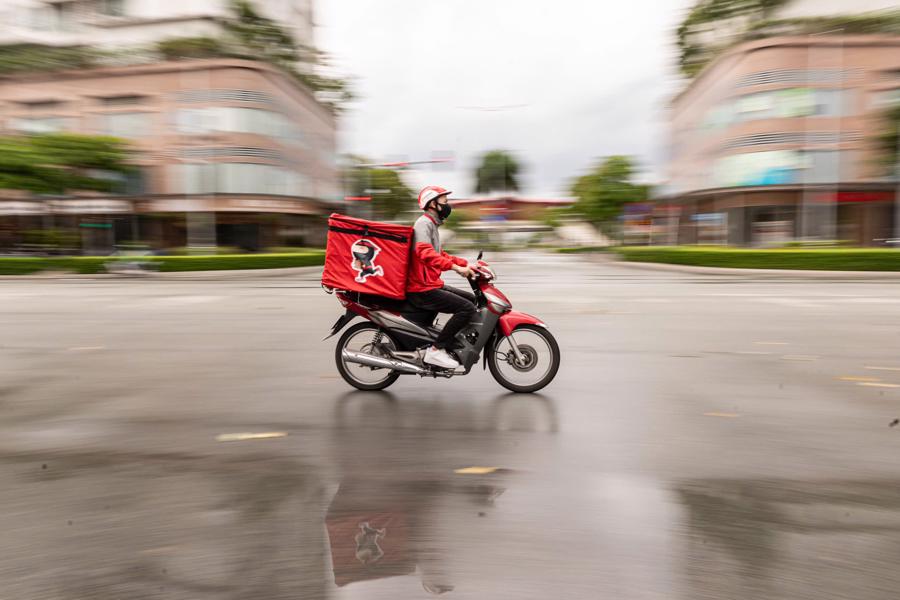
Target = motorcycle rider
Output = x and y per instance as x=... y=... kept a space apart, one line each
x=425 y=289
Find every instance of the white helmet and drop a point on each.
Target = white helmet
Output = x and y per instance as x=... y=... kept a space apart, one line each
x=431 y=192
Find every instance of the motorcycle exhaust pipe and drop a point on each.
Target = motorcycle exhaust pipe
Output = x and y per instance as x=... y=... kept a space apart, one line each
x=378 y=361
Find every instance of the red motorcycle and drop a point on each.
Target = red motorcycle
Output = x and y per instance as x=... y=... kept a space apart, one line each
x=519 y=350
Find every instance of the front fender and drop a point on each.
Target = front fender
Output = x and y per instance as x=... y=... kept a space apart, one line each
x=509 y=321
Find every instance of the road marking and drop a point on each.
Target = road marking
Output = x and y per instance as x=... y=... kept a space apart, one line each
x=79 y=348
x=240 y=437
x=883 y=368
x=160 y=550
x=753 y=352
x=722 y=415
x=792 y=302
x=475 y=470
x=881 y=385
x=772 y=343
x=800 y=357
x=854 y=378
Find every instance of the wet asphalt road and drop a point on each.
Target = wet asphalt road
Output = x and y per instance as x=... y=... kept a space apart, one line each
x=706 y=437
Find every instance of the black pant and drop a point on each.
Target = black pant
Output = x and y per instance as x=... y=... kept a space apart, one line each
x=447 y=300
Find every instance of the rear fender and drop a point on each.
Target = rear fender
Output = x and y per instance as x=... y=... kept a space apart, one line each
x=513 y=319
x=341 y=323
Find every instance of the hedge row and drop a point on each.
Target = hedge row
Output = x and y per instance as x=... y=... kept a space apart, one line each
x=96 y=264
x=833 y=259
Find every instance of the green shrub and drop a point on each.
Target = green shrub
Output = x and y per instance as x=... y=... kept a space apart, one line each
x=830 y=259
x=96 y=264
x=238 y=261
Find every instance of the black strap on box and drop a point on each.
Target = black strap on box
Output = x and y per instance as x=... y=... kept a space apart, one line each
x=365 y=232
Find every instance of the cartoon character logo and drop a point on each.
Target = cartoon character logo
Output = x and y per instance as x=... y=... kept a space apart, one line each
x=367 y=549
x=364 y=253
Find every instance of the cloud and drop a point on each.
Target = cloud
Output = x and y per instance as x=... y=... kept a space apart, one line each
x=565 y=82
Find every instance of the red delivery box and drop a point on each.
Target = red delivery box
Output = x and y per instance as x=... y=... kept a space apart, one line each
x=367 y=256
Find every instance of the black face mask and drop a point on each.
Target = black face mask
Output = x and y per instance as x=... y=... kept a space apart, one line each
x=443 y=211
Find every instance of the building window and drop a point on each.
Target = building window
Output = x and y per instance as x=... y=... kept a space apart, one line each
x=131 y=183
x=112 y=8
x=116 y=101
x=127 y=125
x=780 y=167
x=240 y=120
x=885 y=99
x=39 y=125
x=240 y=178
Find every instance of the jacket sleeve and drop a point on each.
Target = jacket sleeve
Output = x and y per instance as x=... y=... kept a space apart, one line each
x=427 y=254
x=456 y=260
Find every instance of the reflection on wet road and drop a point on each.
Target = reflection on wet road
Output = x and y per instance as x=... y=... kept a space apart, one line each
x=211 y=451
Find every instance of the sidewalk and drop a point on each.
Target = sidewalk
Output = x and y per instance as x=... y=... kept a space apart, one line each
x=756 y=273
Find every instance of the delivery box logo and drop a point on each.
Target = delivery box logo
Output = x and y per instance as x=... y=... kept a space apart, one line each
x=364 y=253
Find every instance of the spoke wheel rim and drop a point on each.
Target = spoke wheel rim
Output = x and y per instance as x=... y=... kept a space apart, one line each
x=362 y=341
x=539 y=356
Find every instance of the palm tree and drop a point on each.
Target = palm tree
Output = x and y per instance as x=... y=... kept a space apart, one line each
x=499 y=171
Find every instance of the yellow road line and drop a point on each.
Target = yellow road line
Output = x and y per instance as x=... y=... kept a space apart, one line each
x=475 y=470
x=240 y=437
x=881 y=385
x=854 y=378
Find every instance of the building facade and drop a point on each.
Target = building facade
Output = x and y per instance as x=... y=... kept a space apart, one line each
x=776 y=139
x=230 y=152
x=129 y=23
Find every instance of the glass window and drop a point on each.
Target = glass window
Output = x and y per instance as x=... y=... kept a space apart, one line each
x=755 y=106
x=127 y=125
x=43 y=124
x=240 y=120
x=829 y=103
x=196 y=178
x=783 y=167
x=885 y=99
x=823 y=166
x=129 y=100
x=112 y=8
x=194 y=120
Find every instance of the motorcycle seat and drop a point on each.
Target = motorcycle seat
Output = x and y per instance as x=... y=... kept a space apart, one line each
x=403 y=307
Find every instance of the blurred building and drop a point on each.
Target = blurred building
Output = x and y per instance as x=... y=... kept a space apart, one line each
x=126 y=23
x=230 y=152
x=506 y=207
x=776 y=137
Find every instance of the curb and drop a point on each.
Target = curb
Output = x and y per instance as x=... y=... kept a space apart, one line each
x=760 y=273
x=174 y=275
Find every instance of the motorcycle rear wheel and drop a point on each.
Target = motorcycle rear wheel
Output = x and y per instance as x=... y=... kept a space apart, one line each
x=359 y=338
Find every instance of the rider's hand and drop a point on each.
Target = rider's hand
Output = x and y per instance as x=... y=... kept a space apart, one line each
x=465 y=271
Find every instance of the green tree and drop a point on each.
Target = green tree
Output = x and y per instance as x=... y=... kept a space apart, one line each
x=262 y=38
x=499 y=171
x=391 y=197
x=888 y=141
x=59 y=163
x=603 y=191
x=27 y=58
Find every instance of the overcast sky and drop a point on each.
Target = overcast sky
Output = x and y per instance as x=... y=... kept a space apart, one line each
x=559 y=83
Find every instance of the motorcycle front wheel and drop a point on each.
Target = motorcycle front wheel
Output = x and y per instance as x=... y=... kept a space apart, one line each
x=364 y=337
x=539 y=363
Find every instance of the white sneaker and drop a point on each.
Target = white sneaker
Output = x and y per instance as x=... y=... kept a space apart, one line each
x=440 y=358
